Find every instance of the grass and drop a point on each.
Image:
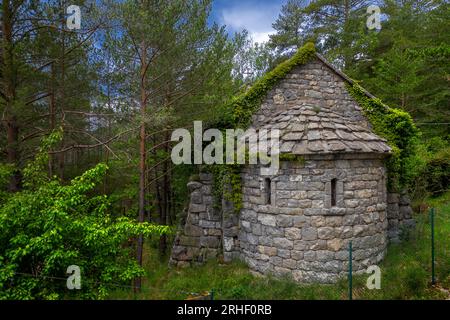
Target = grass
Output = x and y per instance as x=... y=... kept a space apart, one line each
x=405 y=273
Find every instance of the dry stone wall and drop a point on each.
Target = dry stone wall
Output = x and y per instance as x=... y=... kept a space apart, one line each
x=312 y=84
x=300 y=233
x=200 y=237
x=303 y=224
x=399 y=213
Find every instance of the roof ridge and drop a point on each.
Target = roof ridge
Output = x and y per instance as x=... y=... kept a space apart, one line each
x=342 y=74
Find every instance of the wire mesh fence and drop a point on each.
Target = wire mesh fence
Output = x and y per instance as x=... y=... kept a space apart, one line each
x=418 y=267
x=419 y=264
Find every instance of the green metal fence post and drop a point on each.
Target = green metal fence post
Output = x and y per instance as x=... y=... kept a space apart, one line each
x=212 y=294
x=433 y=279
x=350 y=266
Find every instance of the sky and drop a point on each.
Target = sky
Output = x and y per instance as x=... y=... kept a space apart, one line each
x=255 y=16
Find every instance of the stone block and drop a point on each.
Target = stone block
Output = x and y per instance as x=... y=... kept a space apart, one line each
x=189 y=241
x=283 y=243
x=194 y=185
x=318 y=245
x=209 y=242
x=193 y=207
x=192 y=230
x=393 y=197
x=298 y=221
x=324 y=255
x=300 y=245
x=256 y=229
x=335 y=244
x=284 y=221
x=309 y=233
x=269 y=251
x=293 y=233
x=267 y=220
x=284 y=253
x=405 y=212
x=325 y=233
x=297 y=255
x=309 y=256
x=289 y=264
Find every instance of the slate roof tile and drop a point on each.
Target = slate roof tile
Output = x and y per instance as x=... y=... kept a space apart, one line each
x=305 y=129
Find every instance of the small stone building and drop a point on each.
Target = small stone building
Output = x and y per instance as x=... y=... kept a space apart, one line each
x=332 y=190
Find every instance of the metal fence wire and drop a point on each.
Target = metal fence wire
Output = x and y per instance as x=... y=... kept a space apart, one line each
x=420 y=262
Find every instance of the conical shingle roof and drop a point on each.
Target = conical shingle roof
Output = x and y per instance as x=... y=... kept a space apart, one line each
x=306 y=129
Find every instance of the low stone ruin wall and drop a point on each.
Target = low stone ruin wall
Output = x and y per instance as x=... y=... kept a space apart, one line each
x=399 y=213
x=297 y=234
x=200 y=236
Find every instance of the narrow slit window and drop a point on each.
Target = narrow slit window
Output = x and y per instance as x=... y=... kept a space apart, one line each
x=267 y=187
x=333 y=192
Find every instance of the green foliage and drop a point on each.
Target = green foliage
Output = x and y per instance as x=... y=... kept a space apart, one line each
x=398 y=128
x=238 y=114
x=430 y=169
x=289 y=26
x=437 y=172
x=405 y=69
x=292 y=157
x=405 y=273
x=252 y=59
x=410 y=69
x=35 y=172
x=227 y=184
x=48 y=226
x=6 y=170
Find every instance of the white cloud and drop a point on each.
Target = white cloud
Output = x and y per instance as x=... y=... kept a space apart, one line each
x=257 y=20
x=260 y=37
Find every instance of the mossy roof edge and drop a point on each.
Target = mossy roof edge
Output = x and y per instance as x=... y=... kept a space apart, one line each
x=244 y=105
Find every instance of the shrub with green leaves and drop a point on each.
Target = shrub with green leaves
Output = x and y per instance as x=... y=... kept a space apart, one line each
x=398 y=128
x=48 y=226
x=437 y=172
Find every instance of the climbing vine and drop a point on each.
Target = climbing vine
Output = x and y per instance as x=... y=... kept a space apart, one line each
x=238 y=114
x=397 y=127
x=239 y=111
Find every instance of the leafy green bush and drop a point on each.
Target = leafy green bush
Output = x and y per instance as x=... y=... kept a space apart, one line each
x=6 y=170
x=47 y=227
x=429 y=169
x=398 y=128
x=437 y=172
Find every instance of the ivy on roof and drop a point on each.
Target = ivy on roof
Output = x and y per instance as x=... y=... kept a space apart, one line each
x=397 y=127
x=239 y=112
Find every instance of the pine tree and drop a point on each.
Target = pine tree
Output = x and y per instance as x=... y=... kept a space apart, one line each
x=290 y=26
x=178 y=69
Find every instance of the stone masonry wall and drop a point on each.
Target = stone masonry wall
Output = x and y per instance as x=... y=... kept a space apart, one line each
x=297 y=231
x=200 y=237
x=300 y=233
x=230 y=228
x=399 y=213
x=314 y=84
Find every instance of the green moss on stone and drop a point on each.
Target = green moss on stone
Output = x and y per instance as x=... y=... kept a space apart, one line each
x=239 y=112
x=397 y=127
